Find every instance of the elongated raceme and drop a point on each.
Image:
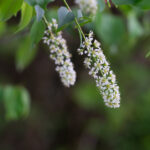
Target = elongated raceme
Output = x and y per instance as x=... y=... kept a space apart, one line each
x=59 y=53
x=88 y=7
x=100 y=70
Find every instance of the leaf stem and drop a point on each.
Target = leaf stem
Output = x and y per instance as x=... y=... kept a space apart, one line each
x=45 y=20
x=67 y=5
x=76 y=21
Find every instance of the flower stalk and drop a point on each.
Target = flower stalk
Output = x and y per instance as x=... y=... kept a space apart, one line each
x=59 y=53
x=88 y=7
x=76 y=20
x=99 y=69
x=95 y=61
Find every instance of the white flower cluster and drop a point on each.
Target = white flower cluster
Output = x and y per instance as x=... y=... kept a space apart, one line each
x=59 y=53
x=100 y=70
x=89 y=7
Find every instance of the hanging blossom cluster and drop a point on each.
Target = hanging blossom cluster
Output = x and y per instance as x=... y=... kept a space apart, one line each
x=100 y=70
x=59 y=53
x=89 y=7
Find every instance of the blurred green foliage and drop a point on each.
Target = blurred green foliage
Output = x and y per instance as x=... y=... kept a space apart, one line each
x=16 y=102
x=110 y=28
x=87 y=95
x=125 y=34
x=7 y=8
x=26 y=16
x=25 y=53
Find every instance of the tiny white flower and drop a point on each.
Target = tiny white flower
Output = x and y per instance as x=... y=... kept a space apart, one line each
x=89 y=7
x=87 y=62
x=80 y=51
x=59 y=53
x=96 y=44
x=100 y=71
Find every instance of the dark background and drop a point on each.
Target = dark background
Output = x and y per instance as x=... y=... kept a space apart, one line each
x=76 y=118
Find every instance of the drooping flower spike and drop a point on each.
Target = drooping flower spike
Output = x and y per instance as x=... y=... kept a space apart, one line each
x=59 y=53
x=100 y=70
x=89 y=7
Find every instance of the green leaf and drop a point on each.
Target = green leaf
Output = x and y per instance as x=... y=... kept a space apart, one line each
x=148 y=54
x=31 y=2
x=2 y=28
x=62 y=13
x=101 y=4
x=65 y=17
x=26 y=16
x=125 y=2
x=69 y=18
x=109 y=28
x=37 y=31
x=52 y=13
x=134 y=26
x=8 y=8
x=16 y=102
x=79 y=14
x=144 y=4
x=84 y=20
x=42 y=3
x=25 y=54
x=39 y=12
